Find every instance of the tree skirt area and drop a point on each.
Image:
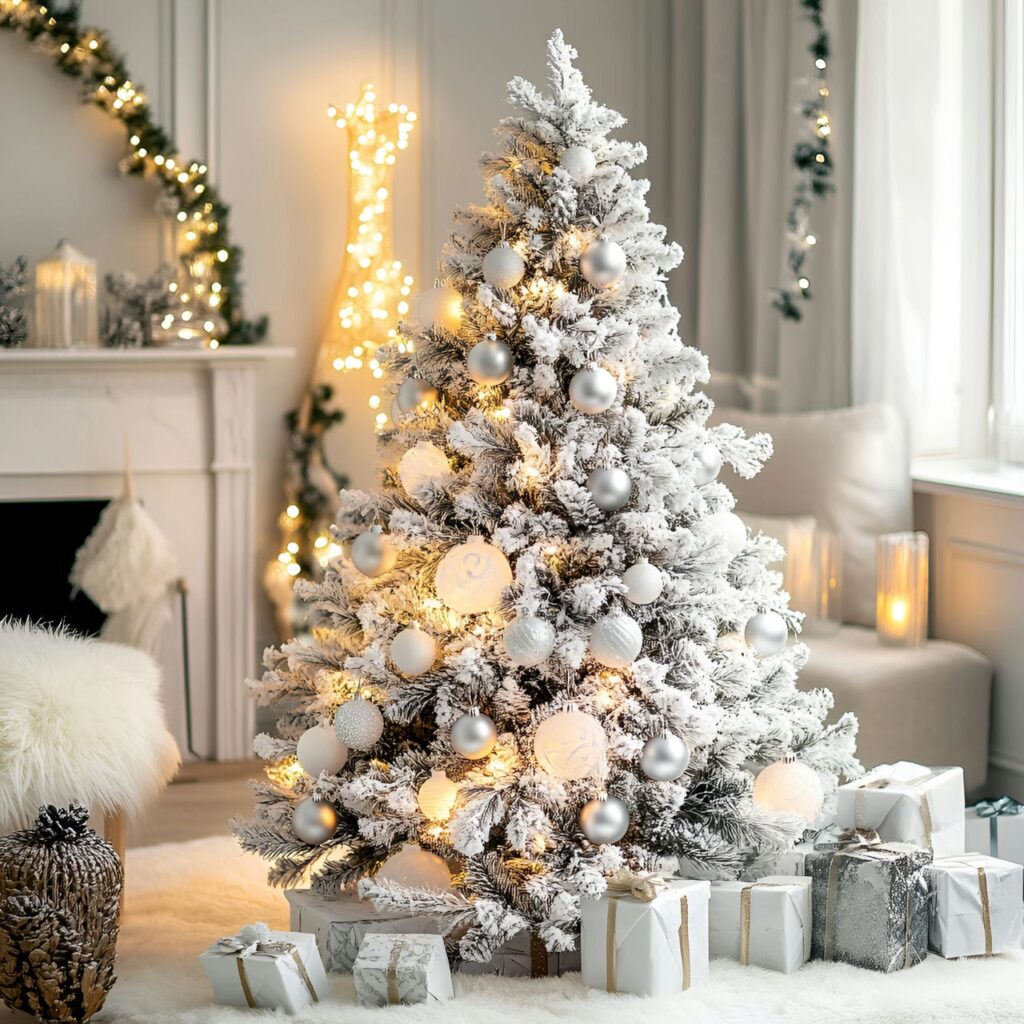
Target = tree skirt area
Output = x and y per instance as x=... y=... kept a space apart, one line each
x=182 y=897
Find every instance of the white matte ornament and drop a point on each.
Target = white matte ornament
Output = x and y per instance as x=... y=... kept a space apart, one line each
x=791 y=787
x=439 y=308
x=415 y=393
x=490 y=362
x=709 y=464
x=610 y=487
x=313 y=821
x=372 y=553
x=437 y=796
x=729 y=531
x=529 y=640
x=358 y=724
x=422 y=465
x=603 y=263
x=644 y=582
x=766 y=633
x=615 y=641
x=592 y=390
x=473 y=735
x=413 y=651
x=320 y=750
x=665 y=757
x=604 y=819
x=503 y=267
x=579 y=163
x=472 y=576
x=416 y=868
x=570 y=745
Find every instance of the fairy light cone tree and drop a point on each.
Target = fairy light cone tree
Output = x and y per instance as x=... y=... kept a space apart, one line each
x=549 y=611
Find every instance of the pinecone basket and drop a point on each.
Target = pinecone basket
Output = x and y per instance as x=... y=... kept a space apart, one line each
x=60 y=884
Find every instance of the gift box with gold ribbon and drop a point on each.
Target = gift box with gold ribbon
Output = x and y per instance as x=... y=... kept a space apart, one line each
x=402 y=969
x=646 y=935
x=524 y=956
x=976 y=907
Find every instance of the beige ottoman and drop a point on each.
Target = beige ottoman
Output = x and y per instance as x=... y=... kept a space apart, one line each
x=928 y=704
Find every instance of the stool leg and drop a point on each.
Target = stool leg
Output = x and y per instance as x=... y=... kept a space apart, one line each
x=115 y=833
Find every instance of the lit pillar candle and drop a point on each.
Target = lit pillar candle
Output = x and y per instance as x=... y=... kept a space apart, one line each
x=901 y=601
x=65 y=300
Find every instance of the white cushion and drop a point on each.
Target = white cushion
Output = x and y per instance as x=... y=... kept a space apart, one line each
x=849 y=468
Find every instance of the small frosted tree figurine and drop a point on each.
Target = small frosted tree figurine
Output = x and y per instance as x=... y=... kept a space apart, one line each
x=530 y=665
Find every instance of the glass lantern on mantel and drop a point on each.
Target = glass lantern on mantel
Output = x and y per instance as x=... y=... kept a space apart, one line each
x=192 y=321
x=65 y=300
x=901 y=598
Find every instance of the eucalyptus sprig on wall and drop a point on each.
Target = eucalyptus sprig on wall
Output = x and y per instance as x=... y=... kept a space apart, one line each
x=206 y=250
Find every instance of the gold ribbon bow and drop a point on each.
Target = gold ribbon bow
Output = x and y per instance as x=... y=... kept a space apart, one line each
x=241 y=951
x=642 y=887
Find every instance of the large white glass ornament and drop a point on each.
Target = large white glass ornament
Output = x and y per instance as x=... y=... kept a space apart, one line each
x=592 y=390
x=603 y=263
x=615 y=641
x=728 y=530
x=790 y=787
x=415 y=393
x=423 y=465
x=529 y=640
x=320 y=750
x=766 y=633
x=604 y=819
x=439 y=308
x=413 y=651
x=472 y=576
x=709 y=464
x=474 y=735
x=372 y=553
x=665 y=757
x=503 y=267
x=358 y=724
x=437 y=795
x=610 y=487
x=570 y=745
x=579 y=163
x=490 y=362
x=65 y=300
x=415 y=868
x=644 y=582
x=313 y=821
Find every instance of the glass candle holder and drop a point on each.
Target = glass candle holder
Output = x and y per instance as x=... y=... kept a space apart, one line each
x=901 y=596
x=65 y=303
x=823 y=592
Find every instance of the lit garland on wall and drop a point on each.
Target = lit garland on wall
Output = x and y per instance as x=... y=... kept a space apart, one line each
x=813 y=163
x=210 y=263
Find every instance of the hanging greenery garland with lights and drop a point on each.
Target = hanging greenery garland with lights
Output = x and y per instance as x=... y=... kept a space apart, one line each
x=813 y=163
x=207 y=253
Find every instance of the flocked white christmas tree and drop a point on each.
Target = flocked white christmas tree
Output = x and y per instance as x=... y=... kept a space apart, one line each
x=530 y=661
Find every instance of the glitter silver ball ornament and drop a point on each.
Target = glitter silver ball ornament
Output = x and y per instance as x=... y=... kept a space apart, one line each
x=603 y=263
x=604 y=819
x=665 y=757
x=490 y=362
x=313 y=821
x=414 y=393
x=320 y=750
x=358 y=724
x=503 y=267
x=644 y=582
x=579 y=163
x=593 y=390
x=473 y=735
x=766 y=633
x=529 y=640
x=615 y=641
x=372 y=553
x=610 y=488
x=709 y=464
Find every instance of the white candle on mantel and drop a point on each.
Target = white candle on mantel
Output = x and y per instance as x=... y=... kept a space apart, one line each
x=901 y=599
x=65 y=306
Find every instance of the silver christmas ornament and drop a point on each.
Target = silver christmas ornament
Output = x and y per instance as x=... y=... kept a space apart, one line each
x=529 y=640
x=473 y=735
x=320 y=750
x=766 y=633
x=358 y=724
x=610 y=488
x=414 y=393
x=644 y=582
x=372 y=553
x=604 y=819
x=615 y=641
x=579 y=163
x=592 y=390
x=313 y=821
x=603 y=263
x=665 y=757
x=413 y=651
x=503 y=267
x=709 y=464
x=490 y=361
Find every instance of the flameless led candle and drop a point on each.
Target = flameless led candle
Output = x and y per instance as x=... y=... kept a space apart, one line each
x=901 y=601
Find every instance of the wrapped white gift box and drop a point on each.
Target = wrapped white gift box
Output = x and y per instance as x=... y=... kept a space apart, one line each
x=977 y=906
x=393 y=969
x=268 y=970
x=766 y=923
x=908 y=803
x=522 y=957
x=646 y=947
x=341 y=923
x=996 y=827
x=791 y=862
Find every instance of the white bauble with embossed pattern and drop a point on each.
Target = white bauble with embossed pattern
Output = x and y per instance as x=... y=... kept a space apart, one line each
x=615 y=641
x=529 y=640
x=472 y=576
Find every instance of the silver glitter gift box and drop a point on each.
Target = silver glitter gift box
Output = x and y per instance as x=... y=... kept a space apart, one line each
x=870 y=901
x=393 y=969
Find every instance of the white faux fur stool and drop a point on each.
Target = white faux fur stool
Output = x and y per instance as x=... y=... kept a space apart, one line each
x=79 y=720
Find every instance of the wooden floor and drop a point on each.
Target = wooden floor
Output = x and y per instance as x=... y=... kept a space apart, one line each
x=198 y=803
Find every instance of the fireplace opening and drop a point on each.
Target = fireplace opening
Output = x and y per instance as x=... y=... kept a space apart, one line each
x=46 y=535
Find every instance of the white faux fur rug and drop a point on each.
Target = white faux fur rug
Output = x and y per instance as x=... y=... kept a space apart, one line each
x=182 y=897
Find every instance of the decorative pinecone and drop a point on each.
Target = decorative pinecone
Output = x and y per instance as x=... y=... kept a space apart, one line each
x=61 y=824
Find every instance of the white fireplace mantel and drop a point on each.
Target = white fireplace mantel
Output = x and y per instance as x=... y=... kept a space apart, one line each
x=187 y=418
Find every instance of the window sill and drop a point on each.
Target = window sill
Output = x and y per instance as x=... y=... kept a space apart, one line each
x=977 y=478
